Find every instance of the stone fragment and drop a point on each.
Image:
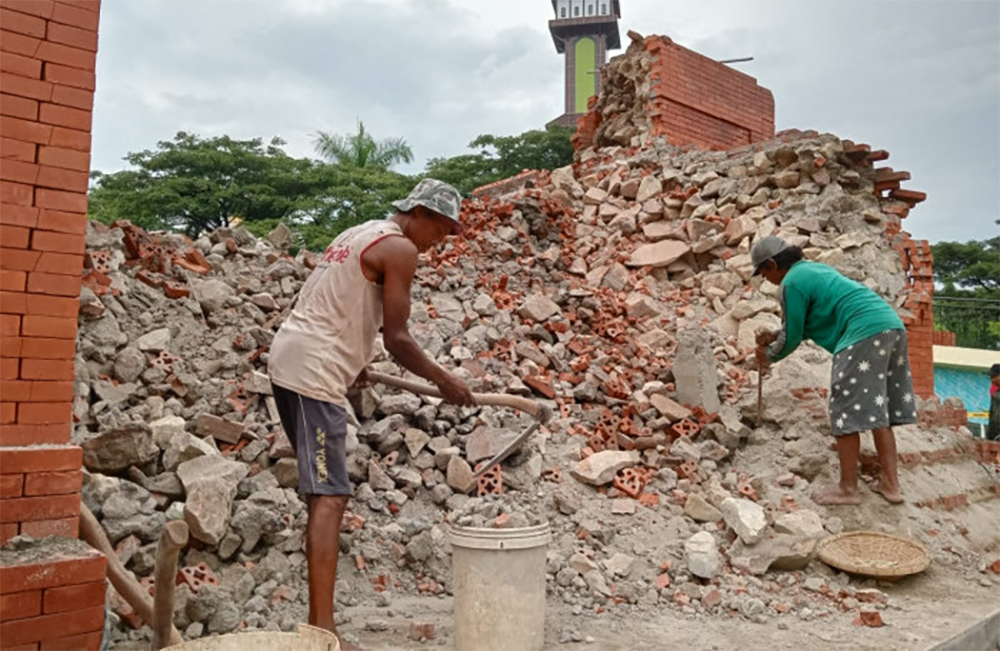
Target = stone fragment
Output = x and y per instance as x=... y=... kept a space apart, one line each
x=459 y=475
x=648 y=188
x=165 y=429
x=782 y=552
x=668 y=408
x=415 y=440
x=702 y=555
x=129 y=364
x=802 y=522
x=208 y=507
x=744 y=517
x=600 y=468
x=485 y=442
x=658 y=254
x=115 y=450
x=219 y=428
x=212 y=295
x=538 y=308
x=154 y=340
x=698 y=509
x=695 y=370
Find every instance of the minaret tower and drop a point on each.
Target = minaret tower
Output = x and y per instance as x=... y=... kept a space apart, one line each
x=583 y=31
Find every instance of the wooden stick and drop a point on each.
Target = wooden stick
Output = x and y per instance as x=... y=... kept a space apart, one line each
x=531 y=407
x=130 y=590
x=172 y=541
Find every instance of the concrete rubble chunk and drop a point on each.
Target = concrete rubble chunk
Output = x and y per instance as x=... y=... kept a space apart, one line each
x=538 y=308
x=207 y=508
x=164 y=429
x=582 y=563
x=184 y=447
x=744 y=517
x=702 y=555
x=695 y=370
x=668 y=408
x=117 y=449
x=415 y=440
x=658 y=254
x=154 y=340
x=211 y=466
x=782 y=552
x=802 y=522
x=447 y=307
x=649 y=188
x=219 y=428
x=698 y=509
x=281 y=237
x=600 y=468
x=212 y=295
x=460 y=474
x=485 y=442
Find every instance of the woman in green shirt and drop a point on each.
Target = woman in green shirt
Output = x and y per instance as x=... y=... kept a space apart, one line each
x=871 y=385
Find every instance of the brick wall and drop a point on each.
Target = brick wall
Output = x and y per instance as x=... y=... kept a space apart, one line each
x=698 y=101
x=48 y=51
x=944 y=338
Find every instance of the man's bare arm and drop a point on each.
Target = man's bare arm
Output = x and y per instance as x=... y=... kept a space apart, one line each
x=395 y=260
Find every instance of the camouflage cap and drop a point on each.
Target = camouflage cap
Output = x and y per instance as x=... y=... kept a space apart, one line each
x=437 y=196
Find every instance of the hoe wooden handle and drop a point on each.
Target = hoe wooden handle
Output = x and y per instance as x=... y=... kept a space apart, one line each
x=531 y=407
x=130 y=590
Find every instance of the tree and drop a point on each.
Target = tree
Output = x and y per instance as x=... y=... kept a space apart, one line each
x=361 y=150
x=194 y=184
x=967 y=298
x=501 y=157
x=349 y=196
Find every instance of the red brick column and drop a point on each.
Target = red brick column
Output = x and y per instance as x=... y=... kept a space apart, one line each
x=48 y=50
x=697 y=101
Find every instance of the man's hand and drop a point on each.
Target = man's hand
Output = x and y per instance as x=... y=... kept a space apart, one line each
x=456 y=391
x=766 y=338
x=763 y=361
x=362 y=381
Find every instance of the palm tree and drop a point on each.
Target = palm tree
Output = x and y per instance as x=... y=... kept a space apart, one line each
x=360 y=150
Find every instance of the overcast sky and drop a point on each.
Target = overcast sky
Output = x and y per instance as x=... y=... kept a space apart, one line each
x=919 y=79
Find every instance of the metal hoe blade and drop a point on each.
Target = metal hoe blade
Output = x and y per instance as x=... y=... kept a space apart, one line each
x=508 y=449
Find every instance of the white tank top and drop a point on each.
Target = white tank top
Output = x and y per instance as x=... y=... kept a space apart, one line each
x=330 y=335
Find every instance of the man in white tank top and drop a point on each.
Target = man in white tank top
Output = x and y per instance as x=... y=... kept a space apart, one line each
x=361 y=284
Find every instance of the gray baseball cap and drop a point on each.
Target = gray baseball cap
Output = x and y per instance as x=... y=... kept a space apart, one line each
x=764 y=249
x=437 y=196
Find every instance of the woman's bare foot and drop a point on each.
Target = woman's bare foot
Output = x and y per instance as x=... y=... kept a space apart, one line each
x=833 y=494
x=891 y=496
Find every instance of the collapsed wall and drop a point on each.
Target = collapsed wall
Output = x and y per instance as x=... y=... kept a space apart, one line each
x=617 y=289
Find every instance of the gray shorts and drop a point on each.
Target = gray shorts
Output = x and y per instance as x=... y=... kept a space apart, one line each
x=871 y=386
x=317 y=431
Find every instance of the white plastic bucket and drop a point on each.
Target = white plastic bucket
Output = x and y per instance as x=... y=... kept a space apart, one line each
x=308 y=638
x=499 y=587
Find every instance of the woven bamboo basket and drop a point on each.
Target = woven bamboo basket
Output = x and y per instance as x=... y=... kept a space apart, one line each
x=874 y=554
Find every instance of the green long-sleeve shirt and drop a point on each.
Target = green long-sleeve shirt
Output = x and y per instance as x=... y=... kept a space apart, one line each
x=820 y=304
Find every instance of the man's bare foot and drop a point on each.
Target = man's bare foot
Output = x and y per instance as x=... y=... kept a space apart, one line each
x=833 y=494
x=891 y=496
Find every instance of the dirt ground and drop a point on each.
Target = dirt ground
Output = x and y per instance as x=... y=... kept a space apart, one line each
x=923 y=611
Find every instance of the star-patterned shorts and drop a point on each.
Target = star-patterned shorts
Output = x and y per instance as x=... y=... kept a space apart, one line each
x=871 y=385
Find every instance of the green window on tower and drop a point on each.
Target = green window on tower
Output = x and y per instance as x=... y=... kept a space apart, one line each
x=586 y=76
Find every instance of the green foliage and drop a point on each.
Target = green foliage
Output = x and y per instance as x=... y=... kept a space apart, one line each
x=967 y=299
x=361 y=150
x=193 y=184
x=969 y=265
x=501 y=157
x=196 y=185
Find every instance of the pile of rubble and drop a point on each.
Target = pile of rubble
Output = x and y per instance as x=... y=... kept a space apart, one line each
x=619 y=290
